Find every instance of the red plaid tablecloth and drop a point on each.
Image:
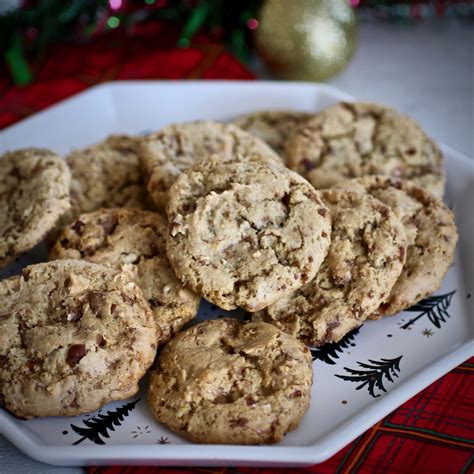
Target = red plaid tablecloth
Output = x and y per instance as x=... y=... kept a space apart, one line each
x=432 y=432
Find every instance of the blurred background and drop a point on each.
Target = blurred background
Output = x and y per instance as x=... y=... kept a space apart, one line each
x=414 y=55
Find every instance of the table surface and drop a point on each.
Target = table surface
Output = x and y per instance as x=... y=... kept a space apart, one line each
x=425 y=70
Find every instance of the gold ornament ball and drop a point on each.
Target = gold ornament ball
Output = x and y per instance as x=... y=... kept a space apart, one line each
x=307 y=40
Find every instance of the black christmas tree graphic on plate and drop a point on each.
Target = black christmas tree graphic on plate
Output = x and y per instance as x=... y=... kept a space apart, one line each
x=98 y=426
x=373 y=374
x=329 y=352
x=435 y=308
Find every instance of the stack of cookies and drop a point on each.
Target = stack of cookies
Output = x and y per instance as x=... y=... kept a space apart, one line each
x=312 y=223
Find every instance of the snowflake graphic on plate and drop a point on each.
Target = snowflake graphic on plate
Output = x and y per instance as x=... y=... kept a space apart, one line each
x=140 y=431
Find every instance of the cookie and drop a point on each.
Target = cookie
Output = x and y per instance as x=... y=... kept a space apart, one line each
x=34 y=194
x=366 y=256
x=132 y=240
x=245 y=232
x=223 y=382
x=173 y=149
x=107 y=175
x=353 y=140
x=431 y=234
x=74 y=336
x=273 y=126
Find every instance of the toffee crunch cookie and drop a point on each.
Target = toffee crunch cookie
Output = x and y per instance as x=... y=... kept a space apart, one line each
x=34 y=194
x=272 y=126
x=431 y=233
x=350 y=140
x=366 y=256
x=225 y=382
x=170 y=151
x=73 y=336
x=245 y=232
x=132 y=240
x=107 y=175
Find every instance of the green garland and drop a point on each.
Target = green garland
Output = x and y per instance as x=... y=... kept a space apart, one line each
x=26 y=32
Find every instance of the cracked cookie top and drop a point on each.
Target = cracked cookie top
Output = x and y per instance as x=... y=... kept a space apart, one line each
x=107 y=174
x=230 y=383
x=74 y=336
x=34 y=194
x=366 y=256
x=272 y=126
x=245 y=232
x=431 y=233
x=350 y=140
x=132 y=240
x=170 y=151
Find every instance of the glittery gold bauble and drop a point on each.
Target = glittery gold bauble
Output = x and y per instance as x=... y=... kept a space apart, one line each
x=309 y=40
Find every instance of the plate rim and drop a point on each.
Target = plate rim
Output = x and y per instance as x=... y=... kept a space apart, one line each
x=208 y=455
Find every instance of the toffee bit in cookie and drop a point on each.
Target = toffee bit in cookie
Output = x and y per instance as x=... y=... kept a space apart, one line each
x=127 y=299
x=75 y=314
x=77 y=226
x=185 y=208
x=75 y=353
x=100 y=340
x=286 y=199
x=250 y=401
x=96 y=300
x=25 y=273
x=74 y=404
x=401 y=253
x=239 y=422
x=109 y=223
x=308 y=165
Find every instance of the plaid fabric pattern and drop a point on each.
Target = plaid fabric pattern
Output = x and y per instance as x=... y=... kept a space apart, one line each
x=432 y=433
x=149 y=54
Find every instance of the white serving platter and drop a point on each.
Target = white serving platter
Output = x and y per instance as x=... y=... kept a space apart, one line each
x=411 y=350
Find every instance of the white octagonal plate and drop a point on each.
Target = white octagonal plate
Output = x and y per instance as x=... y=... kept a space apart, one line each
x=407 y=352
